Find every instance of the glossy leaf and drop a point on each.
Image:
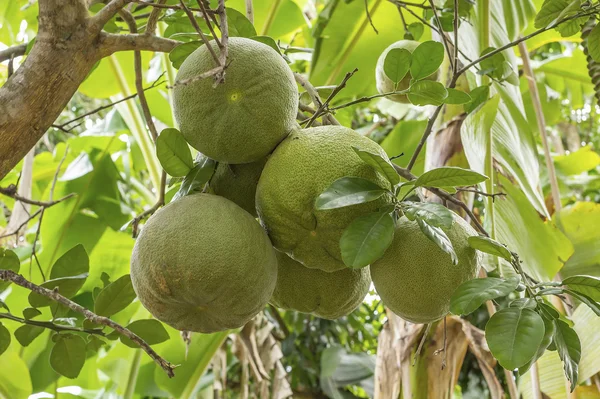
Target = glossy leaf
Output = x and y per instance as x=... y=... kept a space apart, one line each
x=470 y=295
x=195 y=180
x=490 y=246
x=68 y=355
x=514 y=336
x=434 y=214
x=380 y=164
x=587 y=285
x=439 y=237
x=366 y=239
x=115 y=297
x=74 y=262
x=591 y=303
x=348 y=191
x=238 y=24
x=5 y=339
x=397 y=64
x=173 y=153
x=152 y=331
x=449 y=176
x=427 y=92
x=426 y=59
x=569 y=349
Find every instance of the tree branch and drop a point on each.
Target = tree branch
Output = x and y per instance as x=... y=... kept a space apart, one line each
x=153 y=18
x=98 y=21
x=9 y=275
x=111 y=43
x=323 y=107
x=12 y=52
x=314 y=95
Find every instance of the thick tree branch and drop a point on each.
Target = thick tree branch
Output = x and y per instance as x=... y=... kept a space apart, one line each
x=111 y=43
x=12 y=52
x=98 y=21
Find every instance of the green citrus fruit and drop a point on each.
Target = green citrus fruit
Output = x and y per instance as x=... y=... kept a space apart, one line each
x=297 y=172
x=416 y=279
x=203 y=264
x=244 y=118
x=385 y=84
x=326 y=295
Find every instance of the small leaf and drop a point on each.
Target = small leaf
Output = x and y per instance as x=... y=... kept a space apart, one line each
x=492 y=66
x=348 y=191
x=457 y=97
x=449 y=176
x=471 y=294
x=269 y=41
x=426 y=59
x=595 y=306
x=514 y=336
x=397 y=64
x=427 y=92
x=4 y=339
x=195 y=180
x=489 y=246
x=115 y=297
x=151 y=331
x=30 y=313
x=68 y=355
x=8 y=261
x=238 y=24
x=479 y=95
x=593 y=43
x=569 y=349
x=587 y=285
x=26 y=334
x=366 y=239
x=74 y=262
x=438 y=236
x=380 y=164
x=94 y=344
x=546 y=341
x=182 y=51
x=434 y=214
x=173 y=152
x=416 y=30
x=66 y=286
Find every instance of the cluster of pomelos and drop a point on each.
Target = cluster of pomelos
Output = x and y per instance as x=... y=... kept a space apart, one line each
x=204 y=263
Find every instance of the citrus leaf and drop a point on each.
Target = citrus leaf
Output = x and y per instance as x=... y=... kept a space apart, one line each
x=66 y=286
x=68 y=355
x=182 y=51
x=366 y=239
x=151 y=331
x=397 y=64
x=492 y=66
x=4 y=339
x=514 y=336
x=380 y=164
x=115 y=297
x=416 y=30
x=238 y=24
x=449 y=176
x=549 y=12
x=593 y=42
x=548 y=311
x=470 y=295
x=30 y=313
x=426 y=59
x=523 y=303
x=587 y=285
x=434 y=214
x=8 y=261
x=196 y=178
x=489 y=246
x=457 y=97
x=269 y=41
x=26 y=334
x=546 y=341
x=348 y=191
x=438 y=236
x=592 y=304
x=173 y=153
x=569 y=349
x=74 y=262
x=479 y=95
x=427 y=92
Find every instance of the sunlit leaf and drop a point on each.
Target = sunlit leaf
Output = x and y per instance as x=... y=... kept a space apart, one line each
x=238 y=24
x=457 y=97
x=587 y=285
x=427 y=92
x=397 y=64
x=74 y=262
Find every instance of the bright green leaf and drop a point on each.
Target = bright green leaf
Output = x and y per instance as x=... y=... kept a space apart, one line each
x=173 y=153
x=115 y=297
x=416 y=30
x=151 y=331
x=238 y=24
x=348 y=191
x=397 y=64
x=8 y=261
x=470 y=295
x=182 y=51
x=449 y=176
x=4 y=339
x=490 y=246
x=427 y=92
x=457 y=97
x=366 y=239
x=426 y=59
x=73 y=263
x=593 y=42
x=439 y=237
x=569 y=349
x=434 y=214
x=68 y=355
x=66 y=286
x=380 y=164
x=587 y=285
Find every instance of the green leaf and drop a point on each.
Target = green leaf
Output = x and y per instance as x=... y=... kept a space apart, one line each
x=26 y=334
x=470 y=295
x=4 y=339
x=449 y=176
x=416 y=30
x=426 y=59
x=549 y=12
x=397 y=64
x=490 y=246
x=439 y=237
x=269 y=41
x=115 y=297
x=68 y=355
x=434 y=214
x=30 y=313
x=348 y=191
x=546 y=341
x=366 y=239
x=380 y=164
x=66 y=286
x=592 y=304
x=173 y=153
x=524 y=303
x=427 y=92
x=514 y=336
x=73 y=263
x=238 y=24
x=8 y=261
x=587 y=285
x=94 y=344
x=548 y=311
x=457 y=97
x=182 y=51
x=569 y=349
x=151 y=331
x=492 y=66
x=593 y=42
x=196 y=178
x=479 y=95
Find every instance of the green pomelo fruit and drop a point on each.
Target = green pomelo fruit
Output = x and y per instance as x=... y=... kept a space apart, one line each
x=297 y=172
x=244 y=118
x=416 y=279
x=326 y=295
x=203 y=264
x=385 y=84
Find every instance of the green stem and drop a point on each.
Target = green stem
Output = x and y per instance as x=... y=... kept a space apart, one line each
x=169 y=70
x=270 y=17
x=136 y=124
x=133 y=374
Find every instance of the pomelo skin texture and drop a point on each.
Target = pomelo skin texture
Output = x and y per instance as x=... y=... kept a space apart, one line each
x=203 y=264
x=325 y=295
x=244 y=118
x=416 y=279
x=297 y=172
x=385 y=84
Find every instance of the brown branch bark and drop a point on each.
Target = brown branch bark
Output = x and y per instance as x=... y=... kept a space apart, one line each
x=11 y=52
x=112 y=43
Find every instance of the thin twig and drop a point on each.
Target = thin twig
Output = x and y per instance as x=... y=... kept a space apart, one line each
x=455 y=35
x=9 y=275
x=149 y=212
x=224 y=39
x=409 y=4
x=369 y=17
x=444 y=40
x=207 y=74
x=11 y=52
x=314 y=95
x=208 y=23
x=11 y=191
x=368 y=98
x=426 y=134
x=472 y=190
x=169 y=7
x=421 y=343
x=323 y=107
x=423 y=21
x=51 y=326
x=202 y=35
